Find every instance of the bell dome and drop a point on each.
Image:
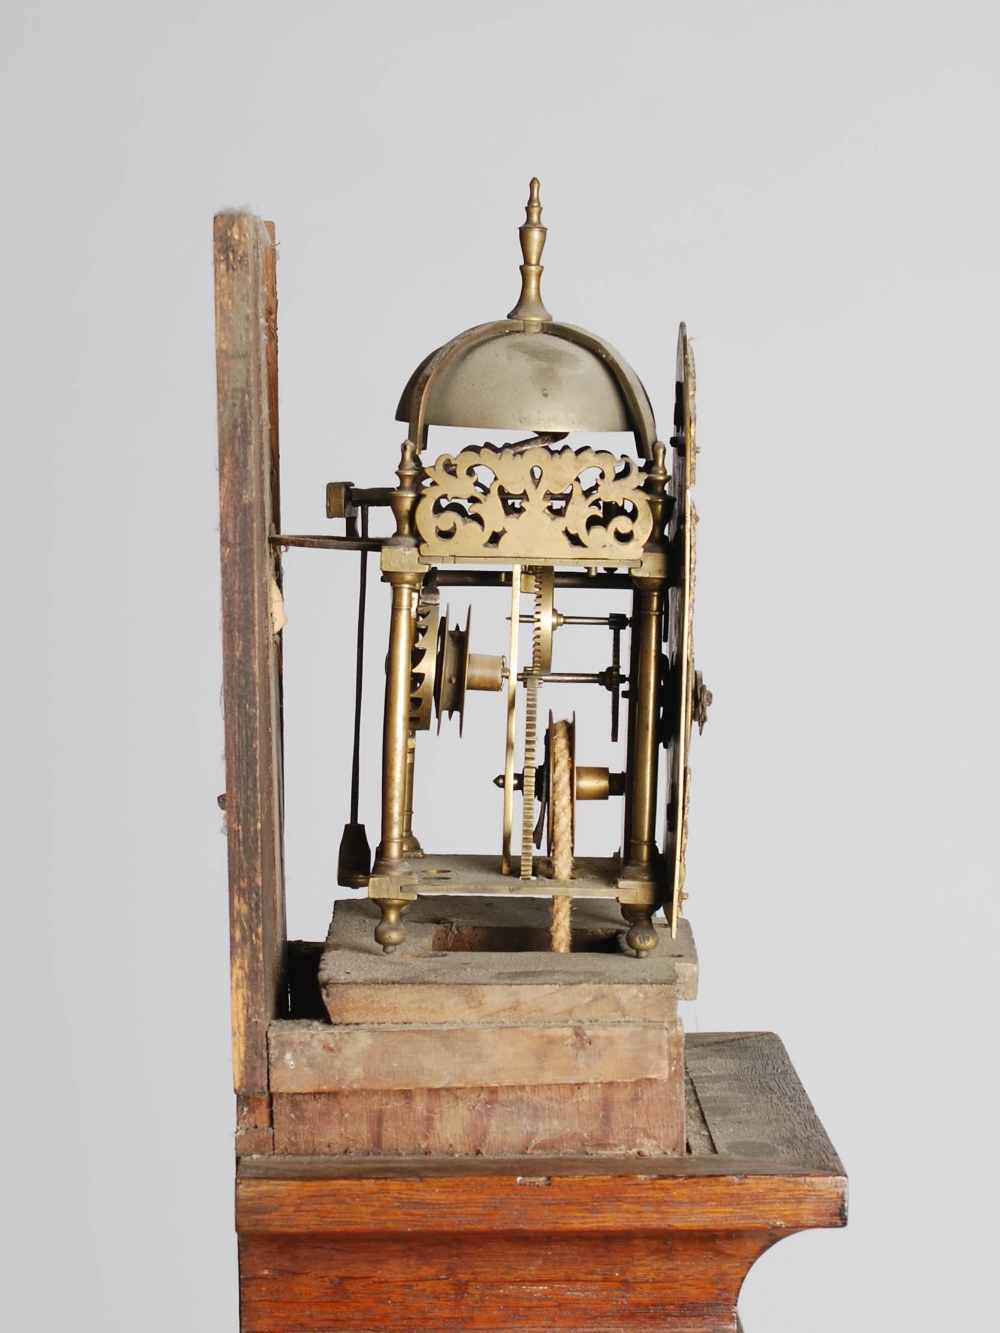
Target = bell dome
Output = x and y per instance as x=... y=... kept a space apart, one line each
x=527 y=372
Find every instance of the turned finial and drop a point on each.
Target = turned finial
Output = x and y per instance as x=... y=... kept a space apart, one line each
x=532 y=234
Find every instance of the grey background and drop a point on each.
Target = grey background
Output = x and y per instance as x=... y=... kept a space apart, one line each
x=813 y=189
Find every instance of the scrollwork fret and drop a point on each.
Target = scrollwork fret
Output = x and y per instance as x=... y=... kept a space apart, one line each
x=534 y=503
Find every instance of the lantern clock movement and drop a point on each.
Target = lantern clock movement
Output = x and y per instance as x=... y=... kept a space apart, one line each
x=477 y=1025
x=531 y=518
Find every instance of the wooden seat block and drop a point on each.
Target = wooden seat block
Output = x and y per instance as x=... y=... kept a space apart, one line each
x=475 y=960
x=474 y=1039
x=644 y=1117
x=334 y=1057
x=611 y=1088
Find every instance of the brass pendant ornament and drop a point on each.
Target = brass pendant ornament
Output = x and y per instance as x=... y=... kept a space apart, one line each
x=533 y=517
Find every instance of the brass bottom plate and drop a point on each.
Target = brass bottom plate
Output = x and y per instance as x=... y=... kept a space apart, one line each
x=593 y=877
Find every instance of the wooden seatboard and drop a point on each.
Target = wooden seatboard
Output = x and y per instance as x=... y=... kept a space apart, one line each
x=451 y=968
x=325 y=1057
x=538 y=1002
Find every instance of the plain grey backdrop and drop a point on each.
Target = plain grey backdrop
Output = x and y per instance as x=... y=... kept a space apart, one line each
x=813 y=188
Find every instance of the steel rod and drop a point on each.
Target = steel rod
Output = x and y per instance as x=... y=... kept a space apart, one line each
x=329 y=543
x=508 y=766
x=359 y=676
x=573 y=678
x=577 y=620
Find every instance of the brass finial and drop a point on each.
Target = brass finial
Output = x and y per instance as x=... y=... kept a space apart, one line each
x=532 y=234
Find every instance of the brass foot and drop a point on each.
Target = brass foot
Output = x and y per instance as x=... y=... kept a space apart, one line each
x=390 y=932
x=641 y=935
x=411 y=846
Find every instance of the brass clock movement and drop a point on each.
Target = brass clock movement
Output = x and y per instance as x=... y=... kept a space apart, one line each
x=532 y=518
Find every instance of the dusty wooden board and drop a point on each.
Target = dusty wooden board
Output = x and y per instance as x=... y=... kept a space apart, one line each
x=246 y=363
x=645 y=1116
x=430 y=980
x=765 y=1091
x=479 y=1002
x=699 y=1140
x=322 y=1057
x=753 y=1104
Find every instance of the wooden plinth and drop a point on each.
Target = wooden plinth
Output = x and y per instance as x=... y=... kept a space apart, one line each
x=491 y=1244
x=474 y=1040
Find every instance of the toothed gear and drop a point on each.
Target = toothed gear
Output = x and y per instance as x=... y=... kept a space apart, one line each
x=424 y=660
x=531 y=739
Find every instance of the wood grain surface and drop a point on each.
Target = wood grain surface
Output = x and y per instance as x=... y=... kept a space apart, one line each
x=535 y=1243
x=487 y=960
x=318 y=1057
x=246 y=366
x=645 y=1116
x=753 y=1104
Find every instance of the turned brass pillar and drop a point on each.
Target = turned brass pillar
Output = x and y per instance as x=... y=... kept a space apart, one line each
x=643 y=730
x=395 y=737
x=411 y=844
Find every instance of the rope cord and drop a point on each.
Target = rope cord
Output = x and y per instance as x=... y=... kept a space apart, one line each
x=561 y=816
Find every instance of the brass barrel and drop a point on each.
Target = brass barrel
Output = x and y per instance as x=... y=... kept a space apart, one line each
x=597 y=784
x=485 y=672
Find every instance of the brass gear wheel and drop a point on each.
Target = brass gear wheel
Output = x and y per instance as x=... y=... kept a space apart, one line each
x=423 y=660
